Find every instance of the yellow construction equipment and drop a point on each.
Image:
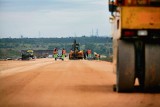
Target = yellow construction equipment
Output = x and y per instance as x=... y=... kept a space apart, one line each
x=75 y=52
x=28 y=54
x=136 y=43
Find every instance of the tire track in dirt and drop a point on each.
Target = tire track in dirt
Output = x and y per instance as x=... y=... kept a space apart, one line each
x=19 y=80
x=51 y=75
x=75 y=83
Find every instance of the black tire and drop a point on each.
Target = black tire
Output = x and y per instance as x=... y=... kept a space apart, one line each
x=125 y=66
x=114 y=88
x=152 y=67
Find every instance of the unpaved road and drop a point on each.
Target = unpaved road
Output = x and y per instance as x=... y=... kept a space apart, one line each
x=49 y=83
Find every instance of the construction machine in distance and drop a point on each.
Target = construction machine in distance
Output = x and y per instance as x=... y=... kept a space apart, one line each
x=136 y=43
x=27 y=55
x=75 y=52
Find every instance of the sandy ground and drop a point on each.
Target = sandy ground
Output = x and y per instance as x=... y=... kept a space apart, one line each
x=79 y=83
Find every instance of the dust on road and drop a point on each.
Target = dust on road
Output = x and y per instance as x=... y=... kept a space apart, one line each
x=49 y=83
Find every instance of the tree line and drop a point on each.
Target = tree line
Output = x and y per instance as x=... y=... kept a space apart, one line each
x=11 y=47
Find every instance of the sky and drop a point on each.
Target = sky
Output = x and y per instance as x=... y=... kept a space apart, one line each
x=54 y=18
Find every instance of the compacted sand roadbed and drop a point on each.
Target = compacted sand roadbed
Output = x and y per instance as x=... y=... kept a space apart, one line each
x=75 y=83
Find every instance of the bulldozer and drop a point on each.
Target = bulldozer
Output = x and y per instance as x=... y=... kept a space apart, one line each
x=75 y=52
x=27 y=55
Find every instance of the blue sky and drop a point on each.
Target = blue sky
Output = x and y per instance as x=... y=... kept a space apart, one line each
x=53 y=18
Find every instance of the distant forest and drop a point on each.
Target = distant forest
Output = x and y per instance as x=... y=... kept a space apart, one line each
x=11 y=47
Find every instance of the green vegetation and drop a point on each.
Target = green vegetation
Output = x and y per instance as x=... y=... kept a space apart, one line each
x=11 y=47
x=109 y=59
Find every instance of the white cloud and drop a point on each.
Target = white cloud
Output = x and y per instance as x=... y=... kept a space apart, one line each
x=59 y=19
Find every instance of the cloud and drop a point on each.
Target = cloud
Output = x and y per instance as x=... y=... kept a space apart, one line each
x=53 y=17
x=34 y=5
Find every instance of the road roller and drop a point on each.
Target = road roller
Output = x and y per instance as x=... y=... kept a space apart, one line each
x=136 y=43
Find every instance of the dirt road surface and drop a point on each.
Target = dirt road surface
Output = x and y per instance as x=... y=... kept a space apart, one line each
x=49 y=83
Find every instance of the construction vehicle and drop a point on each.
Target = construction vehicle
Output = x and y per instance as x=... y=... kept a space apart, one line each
x=75 y=52
x=27 y=55
x=136 y=43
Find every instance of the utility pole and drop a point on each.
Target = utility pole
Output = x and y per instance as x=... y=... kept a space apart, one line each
x=97 y=33
x=39 y=35
x=92 y=32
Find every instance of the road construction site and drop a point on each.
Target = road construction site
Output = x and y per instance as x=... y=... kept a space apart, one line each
x=68 y=83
